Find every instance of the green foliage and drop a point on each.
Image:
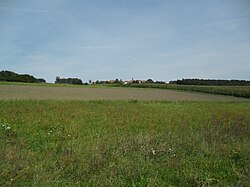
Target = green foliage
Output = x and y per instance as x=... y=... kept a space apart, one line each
x=14 y=77
x=68 y=81
x=124 y=143
x=116 y=81
x=150 y=81
x=211 y=82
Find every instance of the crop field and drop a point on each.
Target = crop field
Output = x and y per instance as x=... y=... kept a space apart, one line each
x=237 y=91
x=105 y=93
x=86 y=136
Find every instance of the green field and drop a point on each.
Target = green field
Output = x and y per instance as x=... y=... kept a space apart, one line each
x=62 y=135
x=124 y=143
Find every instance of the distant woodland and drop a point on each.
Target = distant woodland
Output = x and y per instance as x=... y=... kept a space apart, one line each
x=68 y=81
x=10 y=76
x=14 y=77
x=211 y=82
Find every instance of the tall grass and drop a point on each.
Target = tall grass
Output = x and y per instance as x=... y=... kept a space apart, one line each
x=124 y=143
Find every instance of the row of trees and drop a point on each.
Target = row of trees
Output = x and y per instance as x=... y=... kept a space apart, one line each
x=10 y=76
x=120 y=81
x=212 y=82
x=14 y=77
x=68 y=81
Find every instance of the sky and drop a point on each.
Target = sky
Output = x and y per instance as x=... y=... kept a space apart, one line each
x=141 y=39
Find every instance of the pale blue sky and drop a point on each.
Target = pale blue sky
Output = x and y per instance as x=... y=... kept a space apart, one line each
x=108 y=39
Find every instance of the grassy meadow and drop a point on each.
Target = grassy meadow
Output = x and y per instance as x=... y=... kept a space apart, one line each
x=124 y=143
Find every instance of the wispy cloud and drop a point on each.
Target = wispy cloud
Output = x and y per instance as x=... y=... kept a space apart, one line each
x=28 y=10
x=142 y=39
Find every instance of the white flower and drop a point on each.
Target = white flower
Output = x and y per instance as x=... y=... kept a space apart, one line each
x=153 y=151
x=8 y=128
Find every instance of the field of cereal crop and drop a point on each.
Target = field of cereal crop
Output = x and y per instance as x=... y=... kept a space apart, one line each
x=105 y=93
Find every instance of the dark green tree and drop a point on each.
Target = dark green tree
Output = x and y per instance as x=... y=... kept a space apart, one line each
x=150 y=81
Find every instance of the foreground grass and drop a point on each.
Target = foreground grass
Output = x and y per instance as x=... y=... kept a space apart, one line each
x=124 y=143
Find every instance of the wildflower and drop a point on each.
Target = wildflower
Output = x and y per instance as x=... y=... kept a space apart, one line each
x=153 y=151
x=8 y=128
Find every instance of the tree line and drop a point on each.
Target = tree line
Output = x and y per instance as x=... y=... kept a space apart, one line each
x=10 y=76
x=68 y=81
x=14 y=77
x=211 y=82
x=120 y=81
